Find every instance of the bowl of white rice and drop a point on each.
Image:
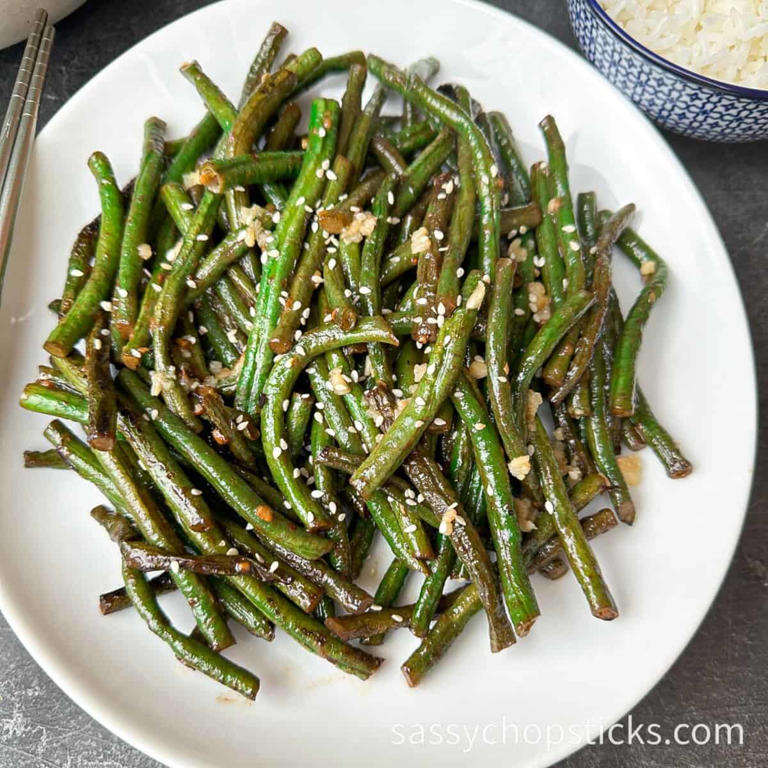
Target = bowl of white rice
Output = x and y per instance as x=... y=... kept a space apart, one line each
x=696 y=67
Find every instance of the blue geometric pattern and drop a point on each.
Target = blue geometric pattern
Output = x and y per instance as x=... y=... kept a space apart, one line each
x=681 y=105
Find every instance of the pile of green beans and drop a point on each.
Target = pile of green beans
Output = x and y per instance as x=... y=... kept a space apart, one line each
x=292 y=344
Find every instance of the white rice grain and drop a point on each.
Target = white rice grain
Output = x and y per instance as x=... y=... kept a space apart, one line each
x=725 y=40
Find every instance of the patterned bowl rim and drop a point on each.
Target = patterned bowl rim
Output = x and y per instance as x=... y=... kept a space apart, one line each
x=756 y=94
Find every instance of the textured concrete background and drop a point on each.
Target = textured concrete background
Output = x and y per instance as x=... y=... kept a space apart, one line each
x=720 y=677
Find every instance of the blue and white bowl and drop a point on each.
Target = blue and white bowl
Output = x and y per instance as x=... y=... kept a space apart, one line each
x=675 y=97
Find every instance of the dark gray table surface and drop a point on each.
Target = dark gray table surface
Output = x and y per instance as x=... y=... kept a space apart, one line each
x=721 y=676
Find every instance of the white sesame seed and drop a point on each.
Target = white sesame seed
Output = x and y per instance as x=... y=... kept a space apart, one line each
x=106 y=305
x=274 y=565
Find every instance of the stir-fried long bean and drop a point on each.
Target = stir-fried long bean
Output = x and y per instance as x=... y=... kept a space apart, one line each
x=102 y=411
x=79 y=266
x=601 y=287
x=281 y=260
x=296 y=343
x=598 y=431
x=489 y=455
x=442 y=370
x=193 y=653
x=264 y=59
x=654 y=271
x=414 y=90
x=572 y=538
x=79 y=320
x=125 y=300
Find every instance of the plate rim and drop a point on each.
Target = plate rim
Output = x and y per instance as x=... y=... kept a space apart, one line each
x=85 y=698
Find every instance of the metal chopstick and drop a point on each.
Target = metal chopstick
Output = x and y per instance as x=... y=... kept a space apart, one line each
x=19 y=94
x=10 y=192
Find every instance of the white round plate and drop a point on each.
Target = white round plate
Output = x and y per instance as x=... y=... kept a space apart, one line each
x=528 y=706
